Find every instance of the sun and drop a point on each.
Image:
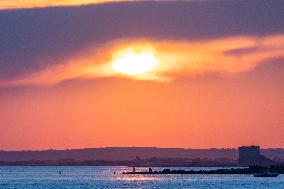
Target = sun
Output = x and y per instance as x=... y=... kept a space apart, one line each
x=134 y=62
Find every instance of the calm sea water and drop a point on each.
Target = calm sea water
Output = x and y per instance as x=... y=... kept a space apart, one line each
x=104 y=177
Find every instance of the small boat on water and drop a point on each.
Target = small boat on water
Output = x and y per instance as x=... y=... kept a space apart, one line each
x=265 y=174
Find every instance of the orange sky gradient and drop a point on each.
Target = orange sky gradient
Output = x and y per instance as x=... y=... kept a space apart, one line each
x=201 y=113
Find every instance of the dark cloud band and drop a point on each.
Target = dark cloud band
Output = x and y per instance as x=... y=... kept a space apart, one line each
x=32 y=38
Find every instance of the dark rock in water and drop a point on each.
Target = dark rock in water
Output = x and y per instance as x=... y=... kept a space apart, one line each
x=250 y=170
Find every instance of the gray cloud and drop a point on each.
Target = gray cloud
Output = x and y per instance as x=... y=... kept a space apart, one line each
x=31 y=39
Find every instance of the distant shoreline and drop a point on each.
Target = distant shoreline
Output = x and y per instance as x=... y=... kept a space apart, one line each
x=133 y=163
x=225 y=156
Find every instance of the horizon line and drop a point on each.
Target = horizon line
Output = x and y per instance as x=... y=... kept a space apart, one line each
x=153 y=147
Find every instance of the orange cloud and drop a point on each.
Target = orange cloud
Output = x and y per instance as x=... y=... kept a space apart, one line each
x=19 y=4
x=176 y=58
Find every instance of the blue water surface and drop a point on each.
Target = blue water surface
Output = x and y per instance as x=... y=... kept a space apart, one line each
x=53 y=177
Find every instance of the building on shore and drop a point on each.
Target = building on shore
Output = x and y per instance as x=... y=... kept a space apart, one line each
x=250 y=156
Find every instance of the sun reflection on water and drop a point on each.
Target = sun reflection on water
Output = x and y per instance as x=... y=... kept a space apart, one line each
x=138 y=178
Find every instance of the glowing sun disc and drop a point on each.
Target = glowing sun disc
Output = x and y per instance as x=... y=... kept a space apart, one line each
x=134 y=63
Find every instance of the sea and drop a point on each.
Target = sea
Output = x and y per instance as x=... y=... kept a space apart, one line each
x=85 y=177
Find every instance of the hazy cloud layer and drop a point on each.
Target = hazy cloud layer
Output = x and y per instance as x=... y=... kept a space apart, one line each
x=38 y=42
x=222 y=56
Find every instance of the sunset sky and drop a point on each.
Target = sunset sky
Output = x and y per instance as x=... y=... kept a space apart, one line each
x=95 y=73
